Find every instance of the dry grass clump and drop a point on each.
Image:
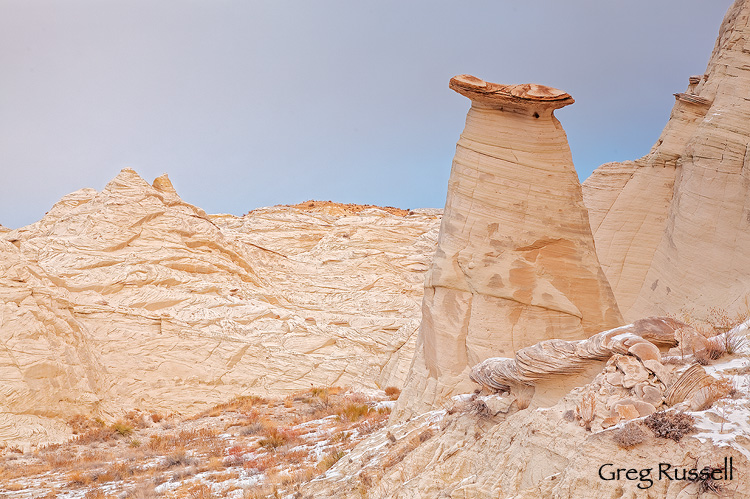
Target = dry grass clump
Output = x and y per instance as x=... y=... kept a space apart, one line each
x=354 y=411
x=122 y=428
x=329 y=460
x=392 y=392
x=723 y=320
x=261 y=463
x=95 y=435
x=586 y=411
x=242 y=404
x=705 y=481
x=185 y=438
x=670 y=424
x=277 y=437
x=81 y=424
x=629 y=436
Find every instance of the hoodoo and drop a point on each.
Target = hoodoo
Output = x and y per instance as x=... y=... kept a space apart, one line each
x=672 y=228
x=515 y=262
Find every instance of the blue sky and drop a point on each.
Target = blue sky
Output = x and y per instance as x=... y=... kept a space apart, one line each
x=249 y=103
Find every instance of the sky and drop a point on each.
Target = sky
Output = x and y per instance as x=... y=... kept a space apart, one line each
x=249 y=103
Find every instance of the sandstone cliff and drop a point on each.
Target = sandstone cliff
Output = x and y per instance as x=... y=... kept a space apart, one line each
x=132 y=298
x=672 y=228
x=515 y=262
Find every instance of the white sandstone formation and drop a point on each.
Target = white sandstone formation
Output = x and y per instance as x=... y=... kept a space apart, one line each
x=131 y=298
x=672 y=228
x=515 y=262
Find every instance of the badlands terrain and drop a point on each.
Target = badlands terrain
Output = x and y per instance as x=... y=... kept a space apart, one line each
x=537 y=338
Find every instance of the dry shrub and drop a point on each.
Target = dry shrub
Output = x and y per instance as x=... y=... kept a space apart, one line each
x=277 y=437
x=143 y=490
x=354 y=411
x=319 y=392
x=479 y=408
x=215 y=463
x=160 y=442
x=629 y=436
x=392 y=392
x=721 y=319
x=331 y=458
x=252 y=429
x=79 y=478
x=200 y=491
x=98 y=434
x=242 y=404
x=705 y=481
x=223 y=477
x=670 y=424
x=137 y=419
x=122 y=428
x=178 y=457
x=261 y=463
x=201 y=437
x=115 y=472
x=586 y=411
x=81 y=424
x=341 y=437
x=60 y=459
x=95 y=494
x=295 y=457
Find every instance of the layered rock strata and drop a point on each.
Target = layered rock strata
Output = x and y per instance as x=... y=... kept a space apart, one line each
x=132 y=298
x=672 y=228
x=554 y=361
x=515 y=262
x=541 y=374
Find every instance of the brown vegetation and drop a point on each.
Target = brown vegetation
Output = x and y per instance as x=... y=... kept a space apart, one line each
x=629 y=436
x=273 y=438
x=670 y=424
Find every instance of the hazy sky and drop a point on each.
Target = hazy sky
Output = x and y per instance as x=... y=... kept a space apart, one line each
x=253 y=103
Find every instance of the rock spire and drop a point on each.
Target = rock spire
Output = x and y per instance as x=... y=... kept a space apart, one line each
x=515 y=262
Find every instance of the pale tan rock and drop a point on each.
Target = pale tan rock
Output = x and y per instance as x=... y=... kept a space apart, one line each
x=131 y=298
x=672 y=228
x=515 y=262
x=632 y=369
x=626 y=411
x=648 y=393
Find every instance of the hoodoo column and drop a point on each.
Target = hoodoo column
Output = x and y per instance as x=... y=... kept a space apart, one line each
x=515 y=262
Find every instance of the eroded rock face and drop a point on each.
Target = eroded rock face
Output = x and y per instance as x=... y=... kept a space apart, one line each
x=515 y=262
x=554 y=363
x=132 y=298
x=672 y=228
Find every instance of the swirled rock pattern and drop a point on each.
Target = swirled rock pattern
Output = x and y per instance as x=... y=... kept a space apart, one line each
x=672 y=228
x=132 y=298
x=515 y=262
x=551 y=358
